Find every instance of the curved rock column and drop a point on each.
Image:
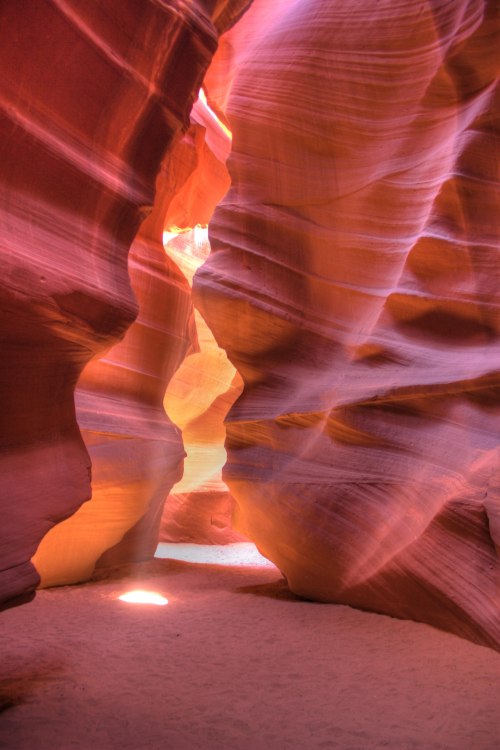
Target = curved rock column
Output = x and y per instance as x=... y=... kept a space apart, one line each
x=354 y=283
x=92 y=97
x=136 y=451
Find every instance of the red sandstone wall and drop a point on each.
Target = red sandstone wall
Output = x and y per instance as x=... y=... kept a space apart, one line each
x=136 y=450
x=354 y=283
x=93 y=95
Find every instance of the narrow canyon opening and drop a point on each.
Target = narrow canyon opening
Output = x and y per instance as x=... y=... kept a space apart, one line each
x=199 y=395
x=171 y=347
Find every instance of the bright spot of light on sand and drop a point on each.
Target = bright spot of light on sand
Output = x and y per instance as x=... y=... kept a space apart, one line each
x=143 y=597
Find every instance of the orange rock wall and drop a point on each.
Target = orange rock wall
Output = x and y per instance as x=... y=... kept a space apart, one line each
x=354 y=283
x=198 y=397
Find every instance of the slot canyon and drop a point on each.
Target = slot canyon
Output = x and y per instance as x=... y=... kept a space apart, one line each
x=250 y=304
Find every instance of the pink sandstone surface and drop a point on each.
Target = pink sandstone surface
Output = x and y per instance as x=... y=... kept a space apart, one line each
x=354 y=283
x=234 y=661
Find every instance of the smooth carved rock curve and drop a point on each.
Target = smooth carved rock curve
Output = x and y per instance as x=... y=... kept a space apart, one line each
x=92 y=97
x=354 y=283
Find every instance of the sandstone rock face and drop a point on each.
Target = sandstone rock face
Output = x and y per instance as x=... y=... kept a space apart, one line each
x=354 y=283
x=205 y=385
x=136 y=450
x=200 y=517
x=92 y=97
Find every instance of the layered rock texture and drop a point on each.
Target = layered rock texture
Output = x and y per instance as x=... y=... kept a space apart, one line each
x=93 y=95
x=354 y=283
x=136 y=451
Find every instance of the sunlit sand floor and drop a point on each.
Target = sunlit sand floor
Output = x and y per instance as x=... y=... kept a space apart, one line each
x=240 y=554
x=233 y=662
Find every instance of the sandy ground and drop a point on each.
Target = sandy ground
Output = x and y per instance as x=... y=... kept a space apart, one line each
x=233 y=662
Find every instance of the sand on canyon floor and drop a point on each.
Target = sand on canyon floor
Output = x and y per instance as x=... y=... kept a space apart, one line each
x=233 y=662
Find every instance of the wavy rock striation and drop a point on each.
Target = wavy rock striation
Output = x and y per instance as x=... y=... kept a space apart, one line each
x=137 y=452
x=92 y=97
x=354 y=283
